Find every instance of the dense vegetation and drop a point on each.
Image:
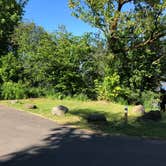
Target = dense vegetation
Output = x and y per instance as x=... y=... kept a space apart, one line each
x=123 y=62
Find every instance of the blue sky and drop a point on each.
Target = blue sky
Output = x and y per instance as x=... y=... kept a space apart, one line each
x=52 y=13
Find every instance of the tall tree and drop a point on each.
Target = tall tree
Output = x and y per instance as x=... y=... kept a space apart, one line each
x=139 y=25
x=77 y=69
x=131 y=28
x=61 y=61
x=10 y=14
x=35 y=53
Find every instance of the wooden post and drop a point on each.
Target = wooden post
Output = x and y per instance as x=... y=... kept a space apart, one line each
x=126 y=114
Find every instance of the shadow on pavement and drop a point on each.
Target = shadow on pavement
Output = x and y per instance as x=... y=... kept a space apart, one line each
x=71 y=147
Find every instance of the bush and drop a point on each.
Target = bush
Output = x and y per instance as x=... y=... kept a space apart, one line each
x=11 y=90
x=80 y=97
x=150 y=99
x=131 y=96
x=55 y=95
x=110 y=88
x=34 y=92
x=122 y=101
x=146 y=98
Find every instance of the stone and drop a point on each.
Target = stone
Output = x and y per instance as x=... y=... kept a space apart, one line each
x=96 y=118
x=139 y=109
x=59 y=110
x=30 y=106
x=151 y=115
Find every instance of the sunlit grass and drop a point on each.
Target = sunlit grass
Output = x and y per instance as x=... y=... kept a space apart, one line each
x=45 y=105
x=78 y=110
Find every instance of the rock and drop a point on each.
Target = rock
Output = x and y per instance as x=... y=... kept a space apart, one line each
x=59 y=110
x=152 y=115
x=30 y=106
x=139 y=109
x=96 y=118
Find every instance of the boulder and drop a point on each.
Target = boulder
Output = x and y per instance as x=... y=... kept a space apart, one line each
x=30 y=106
x=59 y=110
x=152 y=115
x=139 y=109
x=96 y=118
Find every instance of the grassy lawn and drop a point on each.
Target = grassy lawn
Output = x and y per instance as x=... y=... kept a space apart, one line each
x=79 y=109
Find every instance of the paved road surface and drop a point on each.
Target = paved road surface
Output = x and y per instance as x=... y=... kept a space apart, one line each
x=28 y=140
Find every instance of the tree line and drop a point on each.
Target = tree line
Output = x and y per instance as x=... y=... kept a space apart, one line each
x=125 y=60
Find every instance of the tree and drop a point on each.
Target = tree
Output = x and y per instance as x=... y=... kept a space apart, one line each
x=61 y=62
x=35 y=53
x=139 y=26
x=131 y=28
x=10 y=14
x=77 y=69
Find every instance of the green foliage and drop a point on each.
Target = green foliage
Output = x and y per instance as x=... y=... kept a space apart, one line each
x=10 y=14
x=133 y=38
x=123 y=28
x=36 y=54
x=11 y=90
x=144 y=74
x=122 y=100
x=146 y=98
x=80 y=97
x=132 y=96
x=58 y=95
x=150 y=99
x=77 y=68
x=34 y=92
x=109 y=89
x=119 y=64
x=10 y=68
x=62 y=62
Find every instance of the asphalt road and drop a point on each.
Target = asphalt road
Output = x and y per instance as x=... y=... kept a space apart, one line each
x=28 y=140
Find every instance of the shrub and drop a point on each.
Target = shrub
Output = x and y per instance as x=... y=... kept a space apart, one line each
x=55 y=95
x=80 y=97
x=12 y=90
x=34 y=92
x=131 y=96
x=110 y=88
x=122 y=100
x=147 y=98
x=150 y=99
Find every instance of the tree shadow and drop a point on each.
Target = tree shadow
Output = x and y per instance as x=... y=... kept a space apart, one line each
x=117 y=125
x=66 y=146
x=86 y=111
x=112 y=119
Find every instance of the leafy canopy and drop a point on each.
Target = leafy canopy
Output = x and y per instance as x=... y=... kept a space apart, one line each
x=126 y=24
x=10 y=14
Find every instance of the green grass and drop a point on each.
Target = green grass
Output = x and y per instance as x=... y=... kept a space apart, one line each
x=79 y=110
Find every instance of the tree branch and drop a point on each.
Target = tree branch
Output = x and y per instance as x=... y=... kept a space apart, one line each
x=126 y=1
x=159 y=59
x=148 y=41
x=114 y=24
